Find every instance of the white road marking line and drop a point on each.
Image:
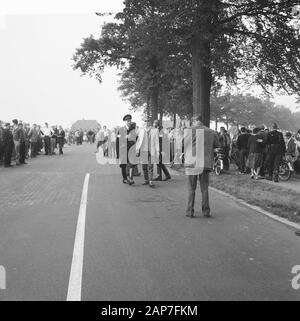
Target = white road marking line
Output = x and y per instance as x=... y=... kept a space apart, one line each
x=75 y=281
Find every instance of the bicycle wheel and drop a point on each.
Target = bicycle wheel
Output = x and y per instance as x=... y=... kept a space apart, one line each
x=284 y=171
x=218 y=168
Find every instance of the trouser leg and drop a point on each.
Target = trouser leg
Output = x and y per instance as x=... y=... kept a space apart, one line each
x=277 y=160
x=204 y=182
x=192 y=184
x=150 y=172
x=271 y=159
x=17 y=151
x=165 y=170
x=243 y=155
x=7 y=155
x=123 y=170
x=145 y=171
x=263 y=166
x=22 y=152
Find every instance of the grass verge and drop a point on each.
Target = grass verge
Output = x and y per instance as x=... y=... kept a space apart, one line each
x=275 y=199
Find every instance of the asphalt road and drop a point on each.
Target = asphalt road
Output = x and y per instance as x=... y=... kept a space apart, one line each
x=138 y=243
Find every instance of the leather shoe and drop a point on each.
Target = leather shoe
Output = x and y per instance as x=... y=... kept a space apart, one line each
x=167 y=178
x=190 y=215
x=158 y=178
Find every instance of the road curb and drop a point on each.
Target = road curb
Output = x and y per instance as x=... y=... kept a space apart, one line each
x=258 y=209
x=253 y=207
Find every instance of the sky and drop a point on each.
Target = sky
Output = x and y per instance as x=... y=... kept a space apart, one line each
x=37 y=82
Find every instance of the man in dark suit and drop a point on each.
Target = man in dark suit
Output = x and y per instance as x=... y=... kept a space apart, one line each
x=276 y=149
x=126 y=139
x=8 y=145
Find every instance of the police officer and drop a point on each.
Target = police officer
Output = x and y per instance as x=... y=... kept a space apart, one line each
x=127 y=135
x=276 y=149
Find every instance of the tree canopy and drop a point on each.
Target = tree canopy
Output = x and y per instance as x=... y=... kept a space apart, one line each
x=169 y=48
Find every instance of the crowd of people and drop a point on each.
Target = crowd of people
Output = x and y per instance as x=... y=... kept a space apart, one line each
x=262 y=150
x=19 y=141
x=257 y=152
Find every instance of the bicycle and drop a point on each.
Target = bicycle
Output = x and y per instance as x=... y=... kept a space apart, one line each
x=285 y=172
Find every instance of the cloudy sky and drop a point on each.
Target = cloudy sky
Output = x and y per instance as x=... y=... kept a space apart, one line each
x=37 y=83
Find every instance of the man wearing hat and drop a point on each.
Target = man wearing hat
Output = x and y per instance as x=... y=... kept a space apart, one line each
x=276 y=149
x=8 y=144
x=127 y=137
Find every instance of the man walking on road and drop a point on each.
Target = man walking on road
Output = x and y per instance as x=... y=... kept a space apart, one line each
x=200 y=141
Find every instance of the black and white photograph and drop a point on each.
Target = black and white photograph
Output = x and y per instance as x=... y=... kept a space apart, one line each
x=149 y=153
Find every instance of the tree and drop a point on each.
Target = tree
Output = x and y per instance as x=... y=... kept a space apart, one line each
x=250 y=40
x=135 y=43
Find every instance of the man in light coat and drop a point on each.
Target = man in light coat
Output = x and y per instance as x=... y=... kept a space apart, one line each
x=147 y=148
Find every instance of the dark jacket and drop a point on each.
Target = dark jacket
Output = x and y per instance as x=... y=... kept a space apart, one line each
x=131 y=139
x=256 y=144
x=276 y=143
x=61 y=137
x=7 y=138
x=242 y=141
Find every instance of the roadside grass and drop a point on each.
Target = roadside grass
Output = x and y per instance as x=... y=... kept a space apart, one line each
x=275 y=199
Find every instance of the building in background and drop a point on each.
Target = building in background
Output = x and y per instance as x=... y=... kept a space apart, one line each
x=85 y=125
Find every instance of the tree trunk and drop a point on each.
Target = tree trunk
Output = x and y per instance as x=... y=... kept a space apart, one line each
x=201 y=63
x=154 y=103
x=216 y=126
x=174 y=120
x=161 y=117
x=148 y=108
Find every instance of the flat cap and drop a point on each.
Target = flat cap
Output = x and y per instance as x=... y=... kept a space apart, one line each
x=127 y=117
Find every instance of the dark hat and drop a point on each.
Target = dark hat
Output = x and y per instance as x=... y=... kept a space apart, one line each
x=7 y=124
x=15 y=121
x=127 y=117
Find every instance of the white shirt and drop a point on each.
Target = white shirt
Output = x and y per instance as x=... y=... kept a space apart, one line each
x=47 y=131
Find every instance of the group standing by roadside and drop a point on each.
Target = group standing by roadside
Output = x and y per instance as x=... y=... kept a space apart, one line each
x=263 y=150
x=19 y=141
